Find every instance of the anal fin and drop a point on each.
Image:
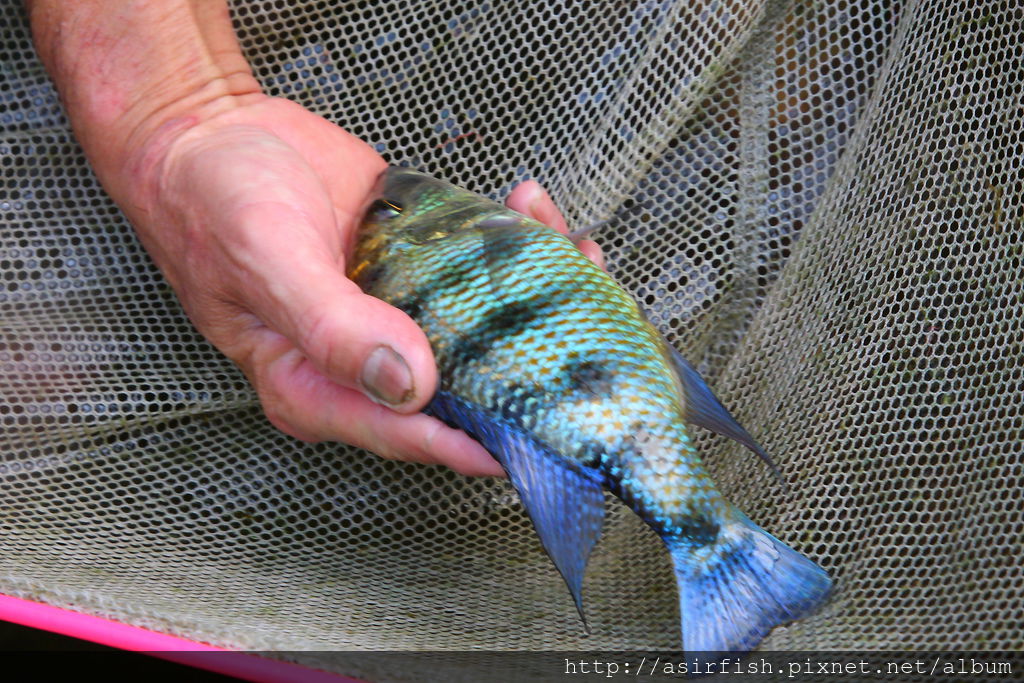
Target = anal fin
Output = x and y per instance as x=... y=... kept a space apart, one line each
x=564 y=500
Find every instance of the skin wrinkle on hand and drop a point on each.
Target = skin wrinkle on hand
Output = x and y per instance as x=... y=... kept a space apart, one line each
x=247 y=204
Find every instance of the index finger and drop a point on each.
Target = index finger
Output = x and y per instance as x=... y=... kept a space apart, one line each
x=530 y=199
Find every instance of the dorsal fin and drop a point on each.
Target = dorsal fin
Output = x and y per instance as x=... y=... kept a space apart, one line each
x=582 y=233
x=703 y=408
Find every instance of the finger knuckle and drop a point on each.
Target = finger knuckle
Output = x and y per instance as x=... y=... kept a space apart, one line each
x=321 y=342
x=285 y=424
x=279 y=414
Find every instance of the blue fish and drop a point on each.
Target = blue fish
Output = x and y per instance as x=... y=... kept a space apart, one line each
x=557 y=372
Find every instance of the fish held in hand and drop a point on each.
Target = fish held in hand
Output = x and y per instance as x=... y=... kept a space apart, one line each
x=556 y=371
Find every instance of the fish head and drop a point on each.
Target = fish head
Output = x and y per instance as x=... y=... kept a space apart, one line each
x=408 y=212
x=407 y=207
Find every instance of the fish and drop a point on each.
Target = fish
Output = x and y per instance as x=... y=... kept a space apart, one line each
x=555 y=369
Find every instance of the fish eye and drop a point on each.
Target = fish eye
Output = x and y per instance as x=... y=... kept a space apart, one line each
x=383 y=210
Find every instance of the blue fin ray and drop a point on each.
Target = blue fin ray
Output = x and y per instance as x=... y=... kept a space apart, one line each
x=748 y=584
x=705 y=410
x=564 y=500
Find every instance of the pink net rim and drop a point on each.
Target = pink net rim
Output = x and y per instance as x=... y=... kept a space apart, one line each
x=114 y=634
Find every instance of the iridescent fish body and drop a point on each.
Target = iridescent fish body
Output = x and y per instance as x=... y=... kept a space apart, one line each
x=552 y=366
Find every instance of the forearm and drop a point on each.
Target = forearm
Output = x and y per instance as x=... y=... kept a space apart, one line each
x=132 y=72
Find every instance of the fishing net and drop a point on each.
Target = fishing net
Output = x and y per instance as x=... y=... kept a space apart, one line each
x=818 y=203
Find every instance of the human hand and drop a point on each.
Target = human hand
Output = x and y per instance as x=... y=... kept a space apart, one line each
x=249 y=215
x=247 y=204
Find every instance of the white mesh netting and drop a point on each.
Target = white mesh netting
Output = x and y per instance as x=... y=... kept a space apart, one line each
x=819 y=203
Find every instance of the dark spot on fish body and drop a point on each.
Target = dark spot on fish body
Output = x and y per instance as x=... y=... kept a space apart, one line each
x=697 y=531
x=515 y=400
x=693 y=527
x=503 y=242
x=591 y=455
x=510 y=320
x=498 y=325
x=445 y=278
x=411 y=305
x=587 y=376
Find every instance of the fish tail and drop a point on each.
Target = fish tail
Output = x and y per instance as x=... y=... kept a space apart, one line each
x=736 y=589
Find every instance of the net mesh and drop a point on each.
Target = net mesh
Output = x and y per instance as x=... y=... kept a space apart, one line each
x=819 y=203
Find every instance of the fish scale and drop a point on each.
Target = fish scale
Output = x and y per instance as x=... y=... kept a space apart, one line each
x=555 y=370
x=546 y=262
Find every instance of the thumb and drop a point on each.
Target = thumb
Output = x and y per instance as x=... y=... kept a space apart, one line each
x=275 y=242
x=356 y=340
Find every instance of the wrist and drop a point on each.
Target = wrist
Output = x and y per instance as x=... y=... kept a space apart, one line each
x=133 y=170
x=131 y=72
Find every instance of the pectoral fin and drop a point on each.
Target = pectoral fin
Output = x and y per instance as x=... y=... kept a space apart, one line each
x=705 y=410
x=564 y=500
x=582 y=233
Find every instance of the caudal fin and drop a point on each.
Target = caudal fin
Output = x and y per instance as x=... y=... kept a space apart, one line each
x=734 y=591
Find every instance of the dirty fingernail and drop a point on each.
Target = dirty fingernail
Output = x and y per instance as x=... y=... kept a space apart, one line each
x=386 y=377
